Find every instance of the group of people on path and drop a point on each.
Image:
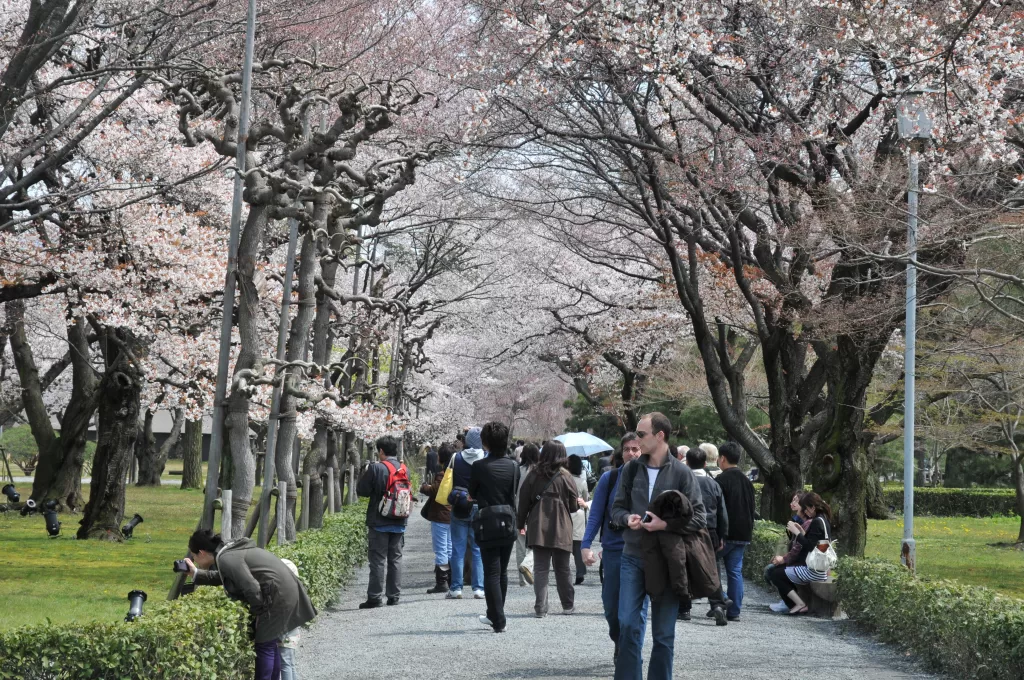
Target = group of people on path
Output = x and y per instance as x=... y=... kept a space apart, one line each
x=482 y=504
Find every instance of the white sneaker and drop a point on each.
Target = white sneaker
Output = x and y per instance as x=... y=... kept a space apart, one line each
x=479 y=595
x=779 y=607
x=453 y=595
x=486 y=621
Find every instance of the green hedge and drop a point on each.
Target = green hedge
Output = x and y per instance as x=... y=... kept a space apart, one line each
x=202 y=635
x=326 y=557
x=943 y=502
x=967 y=631
x=767 y=538
x=955 y=502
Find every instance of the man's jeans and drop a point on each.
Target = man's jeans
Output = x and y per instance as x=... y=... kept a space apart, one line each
x=732 y=556
x=632 y=619
x=441 y=537
x=611 y=560
x=385 y=557
x=268 y=661
x=462 y=534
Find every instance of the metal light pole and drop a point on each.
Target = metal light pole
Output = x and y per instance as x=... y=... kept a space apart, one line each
x=914 y=128
x=220 y=393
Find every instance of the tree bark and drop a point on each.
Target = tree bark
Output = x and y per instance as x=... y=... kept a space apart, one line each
x=61 y=455
x=153 y=458
x=316 y=463
x=192 y=455
x=120 y=403
x=1017 y=472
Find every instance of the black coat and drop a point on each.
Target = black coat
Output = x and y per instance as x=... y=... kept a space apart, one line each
x=738 y=494
x=665 y=551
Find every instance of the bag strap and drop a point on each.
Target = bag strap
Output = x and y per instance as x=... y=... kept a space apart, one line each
x=824 y=525
x=515 y=482
x=392 y=472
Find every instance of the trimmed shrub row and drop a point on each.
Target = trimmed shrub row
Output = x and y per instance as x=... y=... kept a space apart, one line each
x=202 y=635
x=943 y=502
x=966 y=631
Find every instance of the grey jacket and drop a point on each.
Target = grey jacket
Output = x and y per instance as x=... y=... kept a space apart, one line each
x=373 y=483
x=277 y=599
x=631 y=498
x=714 y=504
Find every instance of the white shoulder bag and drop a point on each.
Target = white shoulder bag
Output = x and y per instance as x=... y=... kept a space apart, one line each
x=823 y=561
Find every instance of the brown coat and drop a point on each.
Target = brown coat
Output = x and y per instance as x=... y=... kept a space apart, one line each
x=436 y=512
x=548 y=521
x=665 y=551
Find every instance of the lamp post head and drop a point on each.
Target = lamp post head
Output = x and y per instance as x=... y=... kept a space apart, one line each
x=912 y=118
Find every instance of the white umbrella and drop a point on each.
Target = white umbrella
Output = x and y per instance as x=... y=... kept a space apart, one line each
x=583 y=444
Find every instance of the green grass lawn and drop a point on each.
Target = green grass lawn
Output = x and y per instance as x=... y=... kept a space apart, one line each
x=64 y=579
x=175 y=466
x=957 y=548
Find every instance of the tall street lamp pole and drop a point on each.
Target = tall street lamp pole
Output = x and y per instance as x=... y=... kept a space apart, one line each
x=914 y=126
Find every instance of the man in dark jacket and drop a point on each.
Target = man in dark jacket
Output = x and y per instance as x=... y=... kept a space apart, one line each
x=642 y=480
x=385 y=535
x=718 y=525
x=276 y=599
x=738 y=494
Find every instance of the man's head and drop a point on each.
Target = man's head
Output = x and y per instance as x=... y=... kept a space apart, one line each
x=630 y=447
x=729 y=455
x=460 y=441
x=494 y=437
x=203 y=547
x=696 y=459
x=681 y=451
x=387 y=447
x=444 y=454
x=710 y=453
x=653 y=431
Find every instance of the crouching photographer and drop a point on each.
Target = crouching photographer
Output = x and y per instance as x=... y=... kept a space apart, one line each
x=277 y=600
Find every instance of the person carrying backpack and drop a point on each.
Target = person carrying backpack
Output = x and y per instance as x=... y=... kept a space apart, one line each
x=386 y=484
x=611 y=538
x=464 y=509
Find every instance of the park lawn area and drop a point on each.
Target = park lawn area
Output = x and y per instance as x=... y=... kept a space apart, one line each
x=175 y=465
x=66 y=580
x=957 y=548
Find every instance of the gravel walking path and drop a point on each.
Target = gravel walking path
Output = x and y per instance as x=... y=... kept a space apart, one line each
x=426 y=636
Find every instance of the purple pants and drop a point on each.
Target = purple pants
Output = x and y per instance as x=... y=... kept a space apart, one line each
x=268 y=661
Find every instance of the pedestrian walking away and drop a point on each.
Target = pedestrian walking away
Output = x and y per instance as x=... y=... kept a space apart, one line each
x=611 y=537
x=386 y=520
x=464 y=509
x=439 y=515
x=653 y=473
x=493 y=482
x=738 y=496
x=579 y=518
x=548 y=499
x=717 y=521
x=528 y=457
x=276 y=599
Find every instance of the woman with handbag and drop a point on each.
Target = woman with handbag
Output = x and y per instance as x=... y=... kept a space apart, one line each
x=547 y=500
x=493 y=482
x=805 y=567
x=439 y=516
x=579 y=518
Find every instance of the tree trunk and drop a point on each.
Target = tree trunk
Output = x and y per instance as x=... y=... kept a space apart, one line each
x=1017 y=474
x=120 y=394
x=153 y=458
x=192 y=455
x=839 y=466
x=316 y=464
x=58 y=474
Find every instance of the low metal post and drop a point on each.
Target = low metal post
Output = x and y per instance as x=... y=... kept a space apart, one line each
x=282 y=512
